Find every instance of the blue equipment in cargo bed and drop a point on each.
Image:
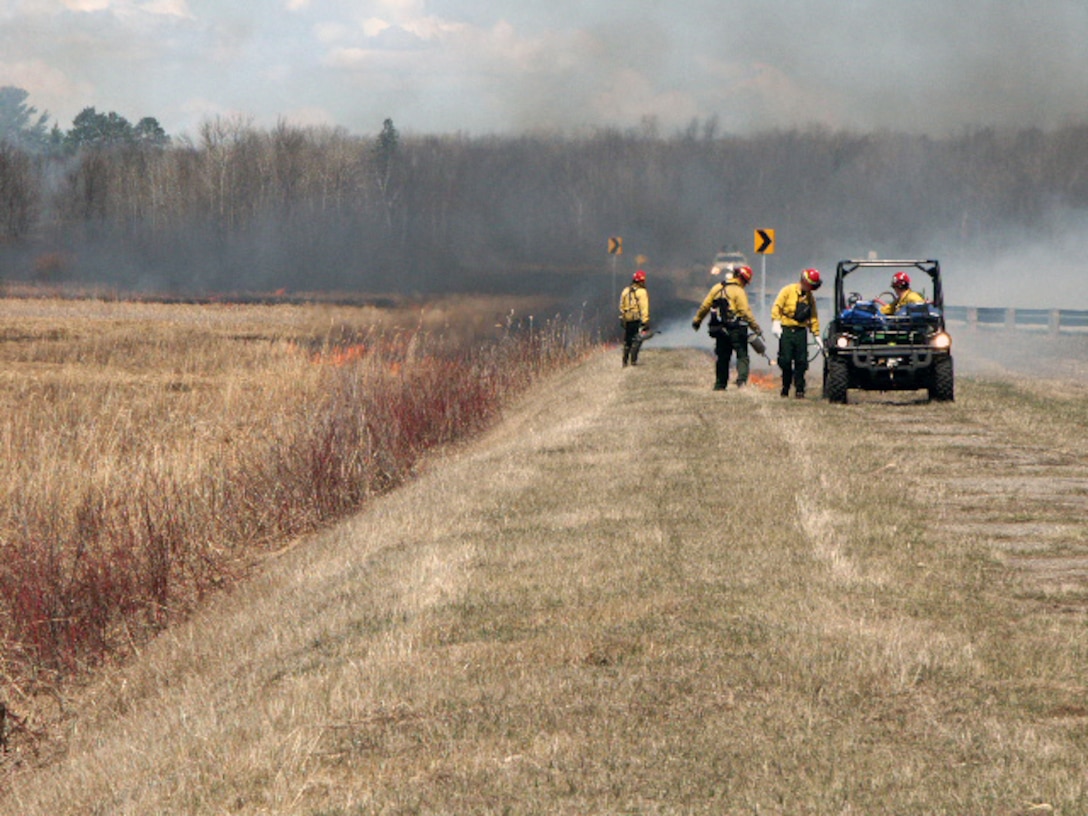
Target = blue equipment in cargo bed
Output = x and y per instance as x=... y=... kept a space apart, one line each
x=864 y=314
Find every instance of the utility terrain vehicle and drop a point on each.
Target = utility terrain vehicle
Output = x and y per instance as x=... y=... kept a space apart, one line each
x=872 y=351
x=726 y=261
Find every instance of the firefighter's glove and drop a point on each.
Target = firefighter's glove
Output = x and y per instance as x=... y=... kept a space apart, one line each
x=695 y=325
x=776 y=328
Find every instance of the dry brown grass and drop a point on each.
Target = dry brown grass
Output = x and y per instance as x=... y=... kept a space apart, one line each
x=152 y=451
x=639 y=595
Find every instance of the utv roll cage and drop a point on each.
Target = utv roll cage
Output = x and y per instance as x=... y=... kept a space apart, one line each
x=930 y=267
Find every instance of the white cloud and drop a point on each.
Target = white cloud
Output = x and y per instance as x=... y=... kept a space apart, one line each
x=86 y=5
x=48 y=86
x=432 y=28
x=374 y=26
x=169 y=8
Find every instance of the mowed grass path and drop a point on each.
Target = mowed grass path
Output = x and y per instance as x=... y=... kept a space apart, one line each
x=637 y=595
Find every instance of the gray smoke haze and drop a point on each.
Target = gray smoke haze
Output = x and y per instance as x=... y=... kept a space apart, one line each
x=483 y=66
x=1030 y=273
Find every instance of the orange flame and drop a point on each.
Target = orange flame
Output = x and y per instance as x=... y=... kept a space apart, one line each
x=339 y=356
x=763 y=380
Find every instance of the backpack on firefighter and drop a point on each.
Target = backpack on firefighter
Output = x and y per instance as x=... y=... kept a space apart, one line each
x=630 y=307
x=720 y=315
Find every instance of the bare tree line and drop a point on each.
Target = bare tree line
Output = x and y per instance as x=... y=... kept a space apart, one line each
x=241 y=208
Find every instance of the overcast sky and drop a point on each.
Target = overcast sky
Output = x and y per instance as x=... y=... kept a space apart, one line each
x=506 y=66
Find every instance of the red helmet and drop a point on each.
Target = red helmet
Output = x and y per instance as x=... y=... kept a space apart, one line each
x=812 y=278
x=900 y=280
x=743 y=272
x=639 y=277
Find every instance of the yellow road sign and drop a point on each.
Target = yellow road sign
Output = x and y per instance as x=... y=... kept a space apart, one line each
x=765 y=242
x=615 y=245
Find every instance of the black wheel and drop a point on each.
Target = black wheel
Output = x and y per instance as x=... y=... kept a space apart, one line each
x=837 y=381
x=942 y=380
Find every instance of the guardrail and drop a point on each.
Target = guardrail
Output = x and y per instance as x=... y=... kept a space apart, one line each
x=1009 y=318
x=1053 y=321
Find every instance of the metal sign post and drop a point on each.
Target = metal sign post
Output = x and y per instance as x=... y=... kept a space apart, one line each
x=764 y=312
x=764 y=246
x=613 y=278
x=615 y=249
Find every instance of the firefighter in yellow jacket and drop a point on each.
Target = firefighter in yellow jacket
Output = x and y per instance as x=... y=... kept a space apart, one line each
x=903 y=294
x=730 y=319
x=793 y=316
x=635 y=316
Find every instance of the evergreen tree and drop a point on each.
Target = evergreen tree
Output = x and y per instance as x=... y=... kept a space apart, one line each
x=93 y=129
x=19 y=123
x=148 y=131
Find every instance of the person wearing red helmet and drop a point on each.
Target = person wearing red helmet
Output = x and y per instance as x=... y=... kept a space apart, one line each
x=635 y=316
x=793 y=316
x=903 y=294
x=730 y=319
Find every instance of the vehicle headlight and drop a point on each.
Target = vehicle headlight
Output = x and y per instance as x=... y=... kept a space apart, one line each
x=941 y=341
x=843 y=341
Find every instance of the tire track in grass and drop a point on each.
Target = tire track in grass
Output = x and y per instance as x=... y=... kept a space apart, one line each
x=821 y=525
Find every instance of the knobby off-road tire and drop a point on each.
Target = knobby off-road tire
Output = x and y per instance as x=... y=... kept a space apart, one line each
x=837 y=381
x=942 y=381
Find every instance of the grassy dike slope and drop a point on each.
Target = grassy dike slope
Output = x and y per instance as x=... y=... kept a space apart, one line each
x=638 y=595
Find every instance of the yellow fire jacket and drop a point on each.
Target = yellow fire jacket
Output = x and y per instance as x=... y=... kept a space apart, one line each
x=738 y=303
x=909 y=296
x=785 y=307
x=635 y=304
